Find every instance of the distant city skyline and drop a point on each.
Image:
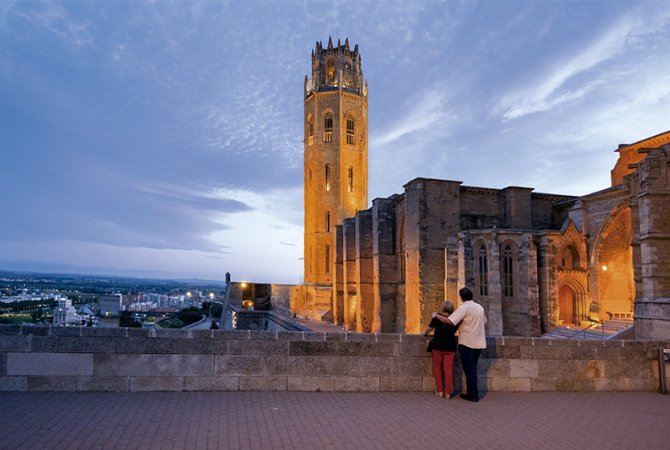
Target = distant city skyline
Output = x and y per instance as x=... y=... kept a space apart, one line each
x=164 y=139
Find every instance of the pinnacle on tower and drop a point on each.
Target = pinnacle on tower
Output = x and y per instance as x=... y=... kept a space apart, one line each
x=346 y=44
x=330 y=43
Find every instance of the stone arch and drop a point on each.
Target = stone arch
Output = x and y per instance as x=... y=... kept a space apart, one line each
x=573 y=306
x=568 y=257
x=612 y=262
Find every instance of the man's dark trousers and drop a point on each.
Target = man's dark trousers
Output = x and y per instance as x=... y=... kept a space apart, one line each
x=469 y=358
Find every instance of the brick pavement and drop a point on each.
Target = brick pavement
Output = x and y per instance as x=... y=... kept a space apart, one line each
x=300 y=420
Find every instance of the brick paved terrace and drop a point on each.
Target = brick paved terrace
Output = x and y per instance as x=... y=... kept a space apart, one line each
x=332 y=420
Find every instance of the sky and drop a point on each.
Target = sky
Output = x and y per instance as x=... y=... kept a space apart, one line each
x=164 y=139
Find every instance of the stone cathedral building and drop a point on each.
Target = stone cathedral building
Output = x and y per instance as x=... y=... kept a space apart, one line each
x=534 y=260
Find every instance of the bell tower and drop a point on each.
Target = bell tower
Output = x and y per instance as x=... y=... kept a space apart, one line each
x=336 y=152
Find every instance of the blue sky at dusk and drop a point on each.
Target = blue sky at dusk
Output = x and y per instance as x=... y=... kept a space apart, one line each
x=164 y=139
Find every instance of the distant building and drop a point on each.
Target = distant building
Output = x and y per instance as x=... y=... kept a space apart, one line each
x=65 y=314
x=110 y=305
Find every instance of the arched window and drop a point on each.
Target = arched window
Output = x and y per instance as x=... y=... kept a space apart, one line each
x=328 y=128
x=508 y=271
x=483 y=271
x=327 y=255
x=327 y=221
x=350 y=130
x=350 y=176
x=330 y=72
x=327 y=177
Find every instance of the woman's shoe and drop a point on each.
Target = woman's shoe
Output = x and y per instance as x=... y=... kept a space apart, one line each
x=439 y=394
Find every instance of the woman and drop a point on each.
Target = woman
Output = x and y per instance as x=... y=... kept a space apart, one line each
x=443 y=349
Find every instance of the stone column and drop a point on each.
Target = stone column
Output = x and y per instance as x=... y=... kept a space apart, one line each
x=349 y=274
x=338 y=277
x=495 y=319
x=384 y=265
x=650 y=185
x=364 y=286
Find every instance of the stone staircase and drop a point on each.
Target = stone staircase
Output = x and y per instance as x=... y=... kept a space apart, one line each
x=605 y=330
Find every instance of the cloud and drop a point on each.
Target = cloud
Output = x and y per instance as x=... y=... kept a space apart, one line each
x=427 y=111
x=562 y=83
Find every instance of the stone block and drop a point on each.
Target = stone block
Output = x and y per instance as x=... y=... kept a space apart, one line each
x=552 y=352
x=374 y=366
x=626 y=384
x=493 y=368
x=262 y=335
x=549 y=368
x=143 y=384
x=8 y=330
x=629 y=368
x=409 y=366
x=118 y=365
x=511 y=351
x=311 y=384
x=297 y=348
x=290 y=336
x=263 y=384
x=520 y=368
x=211 y=383
x=413 y=347
x=35 y=330
x=389 y=337
x=131 y=345
x=356 y=384
x=168 y=333
x=52 y=383
x=103 y=384
x=367 y=348
x=258 y=347
x=588 y=369
x=182 y=365
x=275 y=365
x=238 y=365
x=66 y=331
x=313 y=336
x=504 y=384
x=611 y=353
x=319 y=366
x=237 y=335
x=86 y=345
x=14 y=343
x=44 y=344
x=587 y=353
x=401 y=384
x=428 y=384
x=103 y=332
x=543 y=384
x=361 y=337
x=49 y=364
x=200 y=334
x=575 y=385
x=171 y=346
x=336 y=337
x=13 y=384
x=138 y=332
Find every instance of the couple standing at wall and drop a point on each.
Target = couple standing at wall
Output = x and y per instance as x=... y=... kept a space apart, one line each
x=469 y=320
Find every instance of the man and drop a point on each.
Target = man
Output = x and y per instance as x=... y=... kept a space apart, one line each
x=471 y=338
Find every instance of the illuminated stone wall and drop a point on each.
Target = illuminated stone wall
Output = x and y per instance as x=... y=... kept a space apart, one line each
x=42 y=358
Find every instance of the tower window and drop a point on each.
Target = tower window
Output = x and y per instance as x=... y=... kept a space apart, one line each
x=350 y=176
x=483 y=271
x=310 y=135
x=330 y=69
x=327 y=221
x=350 y=130
x=508 y=271
x=328 y=128
x=327 y=255
x=327 y=177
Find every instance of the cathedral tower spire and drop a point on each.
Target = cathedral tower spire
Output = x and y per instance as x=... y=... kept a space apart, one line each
x=336 y=152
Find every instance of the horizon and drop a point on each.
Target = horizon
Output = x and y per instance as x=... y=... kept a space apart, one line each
x=162 y=140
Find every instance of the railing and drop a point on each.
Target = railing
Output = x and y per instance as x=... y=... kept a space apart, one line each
x=587 y=328
x=620 y=314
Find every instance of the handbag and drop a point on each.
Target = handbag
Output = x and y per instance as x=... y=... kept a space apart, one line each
x=430 y=346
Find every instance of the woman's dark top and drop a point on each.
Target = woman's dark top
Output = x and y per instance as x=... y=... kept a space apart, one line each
x=444 y=338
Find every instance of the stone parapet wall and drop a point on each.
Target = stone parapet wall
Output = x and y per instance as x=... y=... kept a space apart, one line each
x=42 y=358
